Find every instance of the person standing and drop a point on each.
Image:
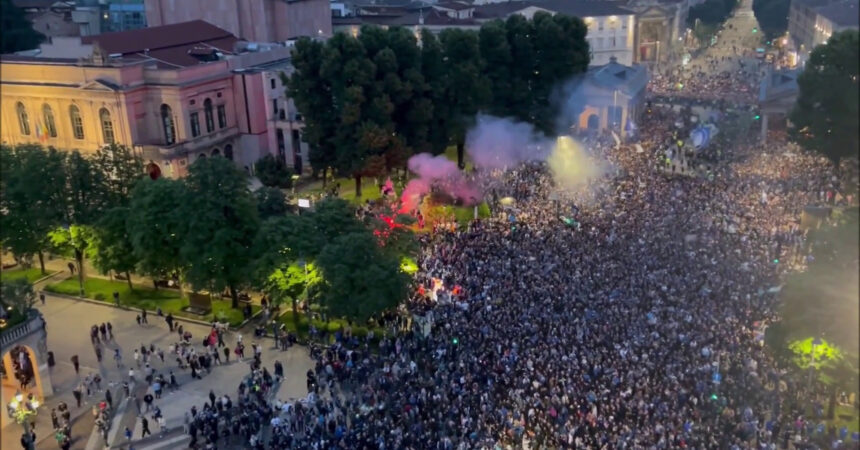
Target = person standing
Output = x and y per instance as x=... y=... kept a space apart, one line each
x=169 y=320
x=76 y=364
x=78 y=394
x=42 y=298
x=143 y=316
x=99 y=353
x=116 y=298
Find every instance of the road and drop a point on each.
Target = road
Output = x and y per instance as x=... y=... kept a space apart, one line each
x=68 y=324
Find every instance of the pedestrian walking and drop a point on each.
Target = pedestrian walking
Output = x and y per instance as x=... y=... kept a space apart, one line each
x=99 y=353
x=109 y=398
x=76 y=364
x=42 y=298
x=116 y=298
x=144 y=425
x=137 y=318
x=147 y=400
x=127 y=433
x=117 y=357
x=227 y=355
x=72 y=268
x=169 y=320
x=143 y=316
x=110 y=331
x=78 y=394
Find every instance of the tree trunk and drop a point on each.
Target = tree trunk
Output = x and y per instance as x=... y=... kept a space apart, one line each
x=42 y=262
x=155 y=283
x=831 y=403
x=234 y=294
x=357 y=186
x=295 y=314
x=461 y=147
x=128 y=278
x=79 y=258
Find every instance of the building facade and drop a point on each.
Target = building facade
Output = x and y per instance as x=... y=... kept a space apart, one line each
x=173 y=97
x=610 y=26
x=251 y=20
x=612 y=97
x=812 y=22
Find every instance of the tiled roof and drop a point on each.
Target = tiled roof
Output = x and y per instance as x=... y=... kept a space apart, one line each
x=576 y=8
x=456 y=6
x=627 y=79
x=169 y=43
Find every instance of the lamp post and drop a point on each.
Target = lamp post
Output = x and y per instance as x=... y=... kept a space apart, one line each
x=23 y=410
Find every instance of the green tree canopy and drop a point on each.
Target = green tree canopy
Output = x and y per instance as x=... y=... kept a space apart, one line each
x=273 y=172
x=772 y=16
x=18 y=32
x=111 y=248
x=120 y=170
x=156 y=228
x=823 y=300
x=221 y=224
x=32 y=198
x=17 y=294
x=825 y=116
x=359 y=279
x=271 y=202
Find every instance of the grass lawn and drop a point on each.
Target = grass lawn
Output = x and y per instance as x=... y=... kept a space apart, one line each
x=31 y=275
x=332 y=325
x=147 y=298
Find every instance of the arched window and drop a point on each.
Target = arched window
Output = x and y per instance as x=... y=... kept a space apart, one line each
x=23 y=119
x=210 y=119
x=201 y=156
x=77 y=122
x=228 y=152
x=107 y=126
x=168 y=125
x=48 y=116
x=216 y=152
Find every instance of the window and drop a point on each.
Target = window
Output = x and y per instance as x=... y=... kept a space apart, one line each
x=613 y=41
x=598 y=44
x=23 y=119
x=272 y=81
x=77 y=122
x=195 y=124
x=282 y=145
x=275 y=106
x=48 y=117
x=107 y=126
x=168 y=125
x=216 y=152
x=222 y=116
x=228 y=152
x=207 y=111
x=599 y=25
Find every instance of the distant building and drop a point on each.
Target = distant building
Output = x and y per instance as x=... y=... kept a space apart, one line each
x=125 y=15
x=661 y=26
x=812 y=22
x=252 y=20
x=174 y=94
x=613 y=95
x=610 y=26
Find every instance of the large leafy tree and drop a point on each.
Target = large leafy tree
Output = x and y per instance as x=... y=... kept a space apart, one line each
x=772 y=16
x=825 y=117
x=498 y=60
x=435 y=75
x=18 y=295
x=310 y=87
x=156 y=227
x=271 y=202
x=111 y=248
x=32 y=198
x=467 y=91
x=18 y=32
x=221 y=223
x=360 y=279
x=120 y=170
x=86 y=198
x=273 y=172
x=823 y=300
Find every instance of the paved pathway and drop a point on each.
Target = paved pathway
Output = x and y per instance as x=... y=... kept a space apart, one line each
x=68 y=324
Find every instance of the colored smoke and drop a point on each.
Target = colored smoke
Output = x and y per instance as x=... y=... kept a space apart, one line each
x=440 y=173
x=496 y=143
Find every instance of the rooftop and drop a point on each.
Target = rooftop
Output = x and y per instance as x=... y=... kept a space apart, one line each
x=178 y=45
x=627 y=79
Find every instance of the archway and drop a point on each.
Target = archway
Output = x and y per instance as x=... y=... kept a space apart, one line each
x=216 y=152
x=21 y=373
x=201 y=156
x=593 y=122
x=153 y=170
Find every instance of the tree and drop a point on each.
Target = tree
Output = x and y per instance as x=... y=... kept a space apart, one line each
x=120 y=171
x=772 y=16
x=221 y=223
x=75 y=239
x=435 y=75
x=467 y=92
x=332 y=218
x=32 y=198
x=711 y=12
x=359 y=279
x=823 y=300
x=496 y=53
x=825 y=116
x=273 y=172
x=86 y=197
x=156 y=228
x=18 y=32
x=17 y=294
x=310 y=87
x=111 y=248
x=271 y=202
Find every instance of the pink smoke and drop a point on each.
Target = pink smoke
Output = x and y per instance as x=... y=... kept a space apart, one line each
x=438 y=172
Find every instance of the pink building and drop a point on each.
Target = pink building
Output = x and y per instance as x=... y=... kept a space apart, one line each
x=252 y=20
x=174 y=93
